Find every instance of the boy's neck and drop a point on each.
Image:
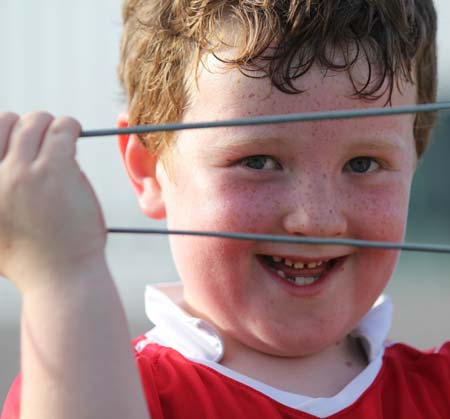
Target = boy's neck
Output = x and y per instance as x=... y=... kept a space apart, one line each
x=320 y=375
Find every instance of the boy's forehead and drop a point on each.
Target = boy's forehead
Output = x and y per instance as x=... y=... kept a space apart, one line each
x=222 y=92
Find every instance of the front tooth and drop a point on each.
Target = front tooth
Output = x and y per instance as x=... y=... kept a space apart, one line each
x=310 y=280
x=299 y=280
x=288 y=262
x=305 y=280
x=312 y=265
x=319 y=263
x=299 y=265
x=277 y=259
x=281 y=273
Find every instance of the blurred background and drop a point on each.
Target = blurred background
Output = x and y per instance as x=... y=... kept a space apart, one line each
x=61 y=56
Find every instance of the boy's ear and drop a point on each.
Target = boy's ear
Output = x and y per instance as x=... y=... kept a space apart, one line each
x=141 y=168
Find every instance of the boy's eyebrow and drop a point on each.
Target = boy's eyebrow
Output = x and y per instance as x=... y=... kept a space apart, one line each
x=231 y=142
x=247 y=140
x=393 y=142
x=238 y=144
x=382 y=143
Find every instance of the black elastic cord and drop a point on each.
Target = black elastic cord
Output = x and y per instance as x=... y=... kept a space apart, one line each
x=273 y=119
x=412 y=247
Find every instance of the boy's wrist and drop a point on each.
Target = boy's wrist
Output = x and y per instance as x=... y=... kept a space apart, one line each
x=64 y=276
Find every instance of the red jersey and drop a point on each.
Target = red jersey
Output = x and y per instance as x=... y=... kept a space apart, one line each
x=411 y=384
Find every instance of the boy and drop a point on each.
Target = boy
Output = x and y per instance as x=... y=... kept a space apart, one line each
x=257 y=329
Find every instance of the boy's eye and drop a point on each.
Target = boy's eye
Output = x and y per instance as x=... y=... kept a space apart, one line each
x=362 y=165
x=260 y=163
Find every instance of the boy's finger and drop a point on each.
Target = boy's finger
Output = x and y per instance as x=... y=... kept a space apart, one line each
x=60 y=139
x=27 y=136
x=7 y=122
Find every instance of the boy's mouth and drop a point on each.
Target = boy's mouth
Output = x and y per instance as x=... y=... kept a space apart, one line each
x=301 y=273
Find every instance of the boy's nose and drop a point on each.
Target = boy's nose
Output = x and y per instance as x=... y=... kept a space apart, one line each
x=315 y=214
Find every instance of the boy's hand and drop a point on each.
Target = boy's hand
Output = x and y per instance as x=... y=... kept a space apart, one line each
x=51 y=224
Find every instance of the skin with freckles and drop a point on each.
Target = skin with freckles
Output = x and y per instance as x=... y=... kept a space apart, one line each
x=342 y=179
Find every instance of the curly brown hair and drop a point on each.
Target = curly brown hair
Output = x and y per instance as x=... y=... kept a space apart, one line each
x=163 y=41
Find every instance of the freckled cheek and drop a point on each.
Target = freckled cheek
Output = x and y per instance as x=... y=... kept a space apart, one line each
x=379 y=214
x=243 y=208
x=230 y=207
x=218 y=205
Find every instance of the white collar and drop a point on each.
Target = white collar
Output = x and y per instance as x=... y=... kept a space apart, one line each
x=197 y=339
x=174 y=328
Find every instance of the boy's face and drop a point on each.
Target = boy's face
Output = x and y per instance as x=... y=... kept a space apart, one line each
x=339 y=179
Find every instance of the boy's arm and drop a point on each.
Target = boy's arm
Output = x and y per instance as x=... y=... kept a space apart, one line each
x=77 y=360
